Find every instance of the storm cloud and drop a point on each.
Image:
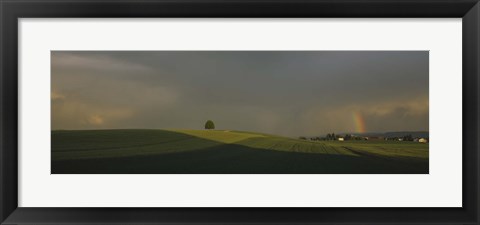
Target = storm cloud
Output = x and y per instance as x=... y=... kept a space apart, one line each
x=289 y=93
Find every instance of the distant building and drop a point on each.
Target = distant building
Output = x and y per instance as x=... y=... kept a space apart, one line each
x=423 y=140
x=340 y=139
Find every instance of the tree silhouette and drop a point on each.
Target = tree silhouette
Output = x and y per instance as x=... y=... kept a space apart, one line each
x=209 y=125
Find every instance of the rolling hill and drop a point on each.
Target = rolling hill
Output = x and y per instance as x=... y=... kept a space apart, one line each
x=225 y=152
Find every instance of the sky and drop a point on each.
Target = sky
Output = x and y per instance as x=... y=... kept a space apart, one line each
x=290 y=93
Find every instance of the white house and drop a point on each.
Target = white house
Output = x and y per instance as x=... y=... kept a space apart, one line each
x=422 y=140
x=340 y=139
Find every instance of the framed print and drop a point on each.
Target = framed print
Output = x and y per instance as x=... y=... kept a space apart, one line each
x=230 y=112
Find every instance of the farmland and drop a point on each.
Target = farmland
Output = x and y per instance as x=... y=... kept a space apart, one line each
x=226 y=152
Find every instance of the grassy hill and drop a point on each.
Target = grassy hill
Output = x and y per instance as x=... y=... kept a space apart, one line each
x=223 y=152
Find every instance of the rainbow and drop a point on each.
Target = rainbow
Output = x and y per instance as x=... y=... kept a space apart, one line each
x=359 y=122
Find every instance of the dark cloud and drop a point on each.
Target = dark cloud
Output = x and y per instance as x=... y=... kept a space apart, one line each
x=282 y=92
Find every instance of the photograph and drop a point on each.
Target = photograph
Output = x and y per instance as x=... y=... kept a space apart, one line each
x=239 y=112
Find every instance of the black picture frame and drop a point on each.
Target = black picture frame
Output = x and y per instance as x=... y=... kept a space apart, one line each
x=12 y=10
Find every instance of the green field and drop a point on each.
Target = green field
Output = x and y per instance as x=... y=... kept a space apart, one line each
x=226 y=152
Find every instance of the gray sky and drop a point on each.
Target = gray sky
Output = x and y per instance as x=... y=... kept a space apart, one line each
x=289 y=93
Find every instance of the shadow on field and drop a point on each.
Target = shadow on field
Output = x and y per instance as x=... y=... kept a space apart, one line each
x=237 y=159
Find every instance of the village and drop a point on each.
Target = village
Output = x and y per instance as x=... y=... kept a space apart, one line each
x=353 y=137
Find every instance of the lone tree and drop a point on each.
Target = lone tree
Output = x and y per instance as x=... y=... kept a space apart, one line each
x=209 y=125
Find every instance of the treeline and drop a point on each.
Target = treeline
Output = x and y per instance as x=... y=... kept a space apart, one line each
x=403 y=138
x=347 y=137
x=333 y=137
